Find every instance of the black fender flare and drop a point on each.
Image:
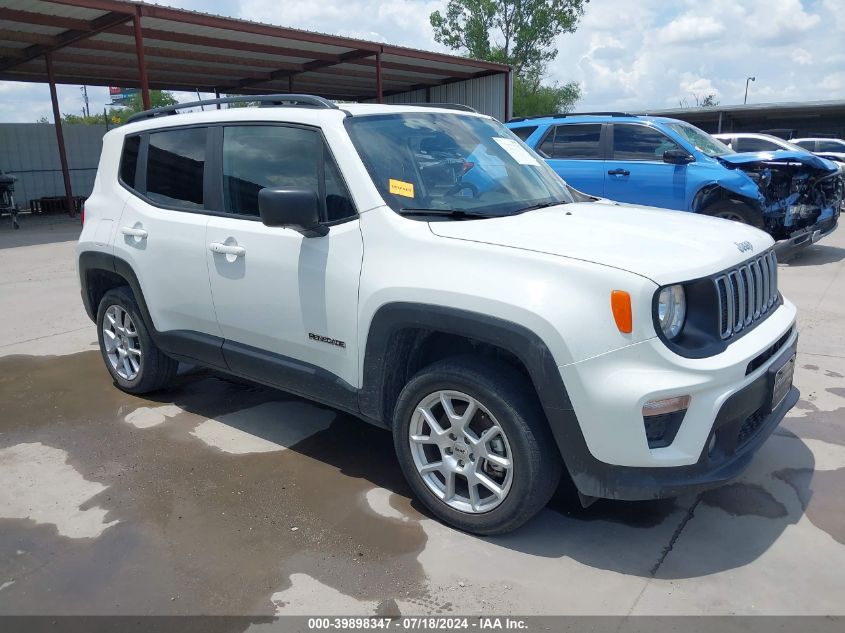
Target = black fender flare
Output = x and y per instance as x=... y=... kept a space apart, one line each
x=183 y=345
x=520 y=341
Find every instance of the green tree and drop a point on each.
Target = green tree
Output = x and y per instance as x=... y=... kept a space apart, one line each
x=530 y=96
x=520 y=33
x=118 y=115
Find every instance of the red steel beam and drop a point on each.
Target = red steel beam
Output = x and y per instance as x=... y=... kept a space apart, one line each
x=142 y=63
x=379 y=83
x=316 y=64
x=60 y=138
x=67 y=38
x=223 y=43
x=42 y=19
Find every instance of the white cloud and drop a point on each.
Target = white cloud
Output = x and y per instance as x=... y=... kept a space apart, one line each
x=691 y=29
x=671 y=51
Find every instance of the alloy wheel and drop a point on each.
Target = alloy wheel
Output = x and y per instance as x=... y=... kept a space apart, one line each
x=122 y=343
x=461 y=452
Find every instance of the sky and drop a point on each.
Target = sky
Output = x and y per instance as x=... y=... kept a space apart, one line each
x=626 y=54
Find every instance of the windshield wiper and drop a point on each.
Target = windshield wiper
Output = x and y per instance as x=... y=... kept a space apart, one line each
x=451 y=213
x=541 y=205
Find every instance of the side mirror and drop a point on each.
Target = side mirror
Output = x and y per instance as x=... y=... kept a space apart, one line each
x=677 y=156
x=298 y=209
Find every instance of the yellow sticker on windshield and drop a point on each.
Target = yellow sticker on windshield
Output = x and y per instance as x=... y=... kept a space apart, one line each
x=401 y=188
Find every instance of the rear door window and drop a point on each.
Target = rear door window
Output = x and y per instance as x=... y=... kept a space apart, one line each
x=176 y=168
x=639 y=142
x=574 y=142
x=808 y=145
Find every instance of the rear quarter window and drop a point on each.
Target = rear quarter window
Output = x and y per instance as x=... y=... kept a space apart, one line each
x=129 y=160
x=524 y=132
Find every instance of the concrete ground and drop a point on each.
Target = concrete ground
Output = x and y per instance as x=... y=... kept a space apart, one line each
x=221 y=497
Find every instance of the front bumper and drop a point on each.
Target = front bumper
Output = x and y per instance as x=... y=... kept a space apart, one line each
x=742 y=425
x=803 y=238
x=610 y=457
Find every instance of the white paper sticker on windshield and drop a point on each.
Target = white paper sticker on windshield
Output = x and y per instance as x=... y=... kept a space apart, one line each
x=517 y=151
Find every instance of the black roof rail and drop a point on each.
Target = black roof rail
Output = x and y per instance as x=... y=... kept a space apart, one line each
x=563 y=115
x=309 y=101
x=447 y=106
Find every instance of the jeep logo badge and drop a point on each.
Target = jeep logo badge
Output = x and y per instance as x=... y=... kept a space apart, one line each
x=744 y=246
x=461 y=449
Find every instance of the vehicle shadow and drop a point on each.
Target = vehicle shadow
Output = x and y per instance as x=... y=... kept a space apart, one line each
x=816 y=255
x=630 y=538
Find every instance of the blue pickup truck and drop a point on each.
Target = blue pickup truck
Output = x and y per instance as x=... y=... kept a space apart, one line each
x=795 y=196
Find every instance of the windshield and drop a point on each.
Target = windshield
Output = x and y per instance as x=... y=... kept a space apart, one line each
x=452 y=162
x=700 y=139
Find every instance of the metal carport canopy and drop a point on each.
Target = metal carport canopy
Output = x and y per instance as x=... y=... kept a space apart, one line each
x=138 y=45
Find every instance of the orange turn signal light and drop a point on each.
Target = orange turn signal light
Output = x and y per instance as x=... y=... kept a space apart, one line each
x=620 y=305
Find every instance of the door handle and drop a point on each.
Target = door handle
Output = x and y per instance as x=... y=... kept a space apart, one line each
x=132 y=231
x=618 y=172
x=227 y=249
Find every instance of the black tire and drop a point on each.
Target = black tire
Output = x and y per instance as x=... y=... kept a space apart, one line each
x=736 y=211
x=511 y=400
x=156 y=369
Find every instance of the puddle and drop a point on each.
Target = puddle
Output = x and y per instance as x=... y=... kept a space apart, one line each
x=197 y=523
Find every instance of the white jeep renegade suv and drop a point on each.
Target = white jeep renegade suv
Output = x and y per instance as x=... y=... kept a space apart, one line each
x=422 y=269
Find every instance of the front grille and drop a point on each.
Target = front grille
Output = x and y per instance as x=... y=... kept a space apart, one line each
x=746 y=293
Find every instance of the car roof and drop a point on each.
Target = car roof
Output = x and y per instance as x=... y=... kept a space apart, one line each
x=589 y=117
x=287 y=113
x=750 y=135
x=817 y=138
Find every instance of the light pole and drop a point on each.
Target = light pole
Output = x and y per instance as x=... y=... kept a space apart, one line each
x=746 y=88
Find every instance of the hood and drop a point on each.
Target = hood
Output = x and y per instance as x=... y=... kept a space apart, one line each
x=781 y=155
x=664 y=246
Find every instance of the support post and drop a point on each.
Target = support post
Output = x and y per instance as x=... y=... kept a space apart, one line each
x=507 y=96
x=720 y=123
x=142 y=62
x=379 y=87
x=290 y=84
x=60 y=138
x=217 y=96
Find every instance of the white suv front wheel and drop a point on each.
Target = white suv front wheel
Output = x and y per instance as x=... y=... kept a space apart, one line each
x=474 y=444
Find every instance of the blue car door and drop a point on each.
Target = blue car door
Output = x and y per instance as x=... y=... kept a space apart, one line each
x=636 y=172
x=574 y=151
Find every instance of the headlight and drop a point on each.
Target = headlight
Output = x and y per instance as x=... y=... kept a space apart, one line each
x=672 y=310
